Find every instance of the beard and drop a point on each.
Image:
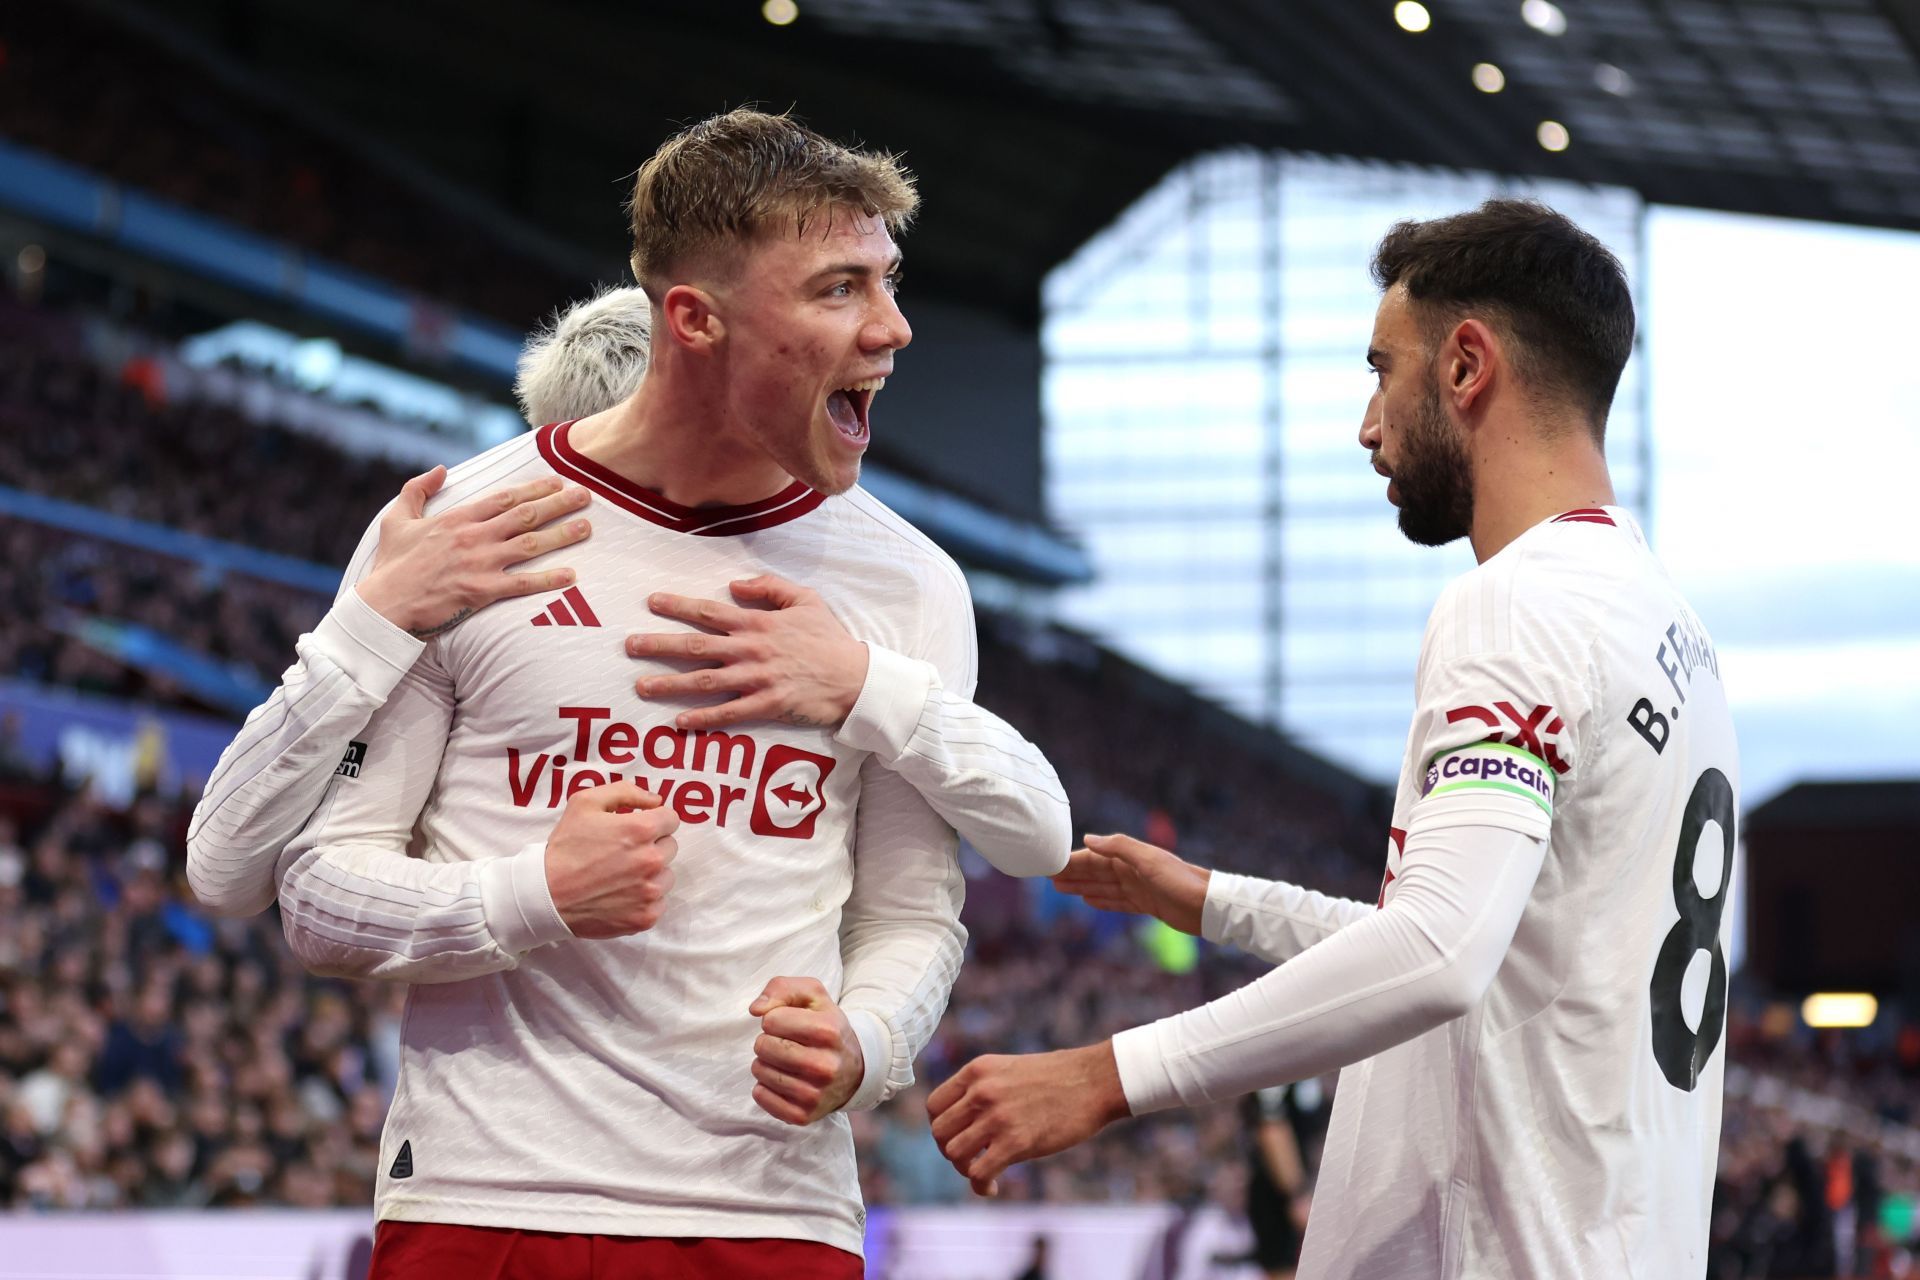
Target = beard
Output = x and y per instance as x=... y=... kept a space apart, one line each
x=1434 y=477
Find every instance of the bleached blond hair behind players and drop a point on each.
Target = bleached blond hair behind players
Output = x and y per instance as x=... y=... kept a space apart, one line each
x=591 y=357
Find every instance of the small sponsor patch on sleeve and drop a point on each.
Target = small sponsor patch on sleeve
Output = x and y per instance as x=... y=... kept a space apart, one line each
x=1494 y=767
x=350 y=763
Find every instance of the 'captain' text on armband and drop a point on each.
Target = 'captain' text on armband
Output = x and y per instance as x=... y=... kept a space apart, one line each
x=1495 y=767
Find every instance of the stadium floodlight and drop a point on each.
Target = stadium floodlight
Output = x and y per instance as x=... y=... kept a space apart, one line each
x=1613 y=80
x=1412 y=16
x=1553 y=135
x=780 y=12
x=1839 y=1009
x=1544 y=16
x=1488 y=78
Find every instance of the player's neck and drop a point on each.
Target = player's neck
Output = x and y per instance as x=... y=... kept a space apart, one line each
x=1525 y=476
x=665 y=438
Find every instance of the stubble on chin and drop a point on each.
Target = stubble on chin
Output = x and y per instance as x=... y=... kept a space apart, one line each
x=1435 y=479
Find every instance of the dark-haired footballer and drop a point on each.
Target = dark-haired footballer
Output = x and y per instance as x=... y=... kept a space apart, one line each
x=1528 y=1019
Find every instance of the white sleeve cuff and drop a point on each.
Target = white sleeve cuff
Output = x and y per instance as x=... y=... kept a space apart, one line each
x=1144 y=1076
x=372 y=651
x=876 y=1046
x=1225 y=891
x=517 y=903
x=891 y=701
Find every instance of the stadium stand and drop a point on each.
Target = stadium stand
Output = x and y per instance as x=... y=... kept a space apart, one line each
x=79 y=85
x=151 y=1056
x=154 y=1057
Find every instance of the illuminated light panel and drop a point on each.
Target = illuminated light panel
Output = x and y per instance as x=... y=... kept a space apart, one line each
x=780 y=12
x=1839 y=1009
x=1613 y=80
x=1553 y=135
x=1412 y=16
x=1488 y=78
x=1544 y=17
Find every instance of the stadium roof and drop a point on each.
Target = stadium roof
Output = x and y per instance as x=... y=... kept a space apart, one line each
x=1033 y=123
x=1841 y=804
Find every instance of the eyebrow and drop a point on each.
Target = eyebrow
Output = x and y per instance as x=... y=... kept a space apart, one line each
x=860 y=269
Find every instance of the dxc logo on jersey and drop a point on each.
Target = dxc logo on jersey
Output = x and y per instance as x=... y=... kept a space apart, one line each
x=693 y=772
x=1532 y=731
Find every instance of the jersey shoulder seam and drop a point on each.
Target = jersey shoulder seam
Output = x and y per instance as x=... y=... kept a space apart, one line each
x=466 y=479
x=887 y=519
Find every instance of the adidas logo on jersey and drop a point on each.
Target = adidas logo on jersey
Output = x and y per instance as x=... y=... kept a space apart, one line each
x=570 y=610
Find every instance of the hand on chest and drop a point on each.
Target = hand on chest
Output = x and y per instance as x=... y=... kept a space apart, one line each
x=544 y=690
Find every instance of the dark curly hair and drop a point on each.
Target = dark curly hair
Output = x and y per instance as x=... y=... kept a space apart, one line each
x=1556 y=293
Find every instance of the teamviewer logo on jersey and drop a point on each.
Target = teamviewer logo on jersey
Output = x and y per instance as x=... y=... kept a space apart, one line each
x=792 y=792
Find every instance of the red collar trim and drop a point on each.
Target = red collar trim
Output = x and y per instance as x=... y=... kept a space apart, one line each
x=790 y=503
x=1585 y=515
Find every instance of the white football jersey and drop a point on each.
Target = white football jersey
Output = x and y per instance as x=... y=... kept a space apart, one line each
x=603 y=1086
x=1567 y=1126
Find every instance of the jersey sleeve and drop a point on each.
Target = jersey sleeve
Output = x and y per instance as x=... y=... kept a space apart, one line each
x=354 y=903
x=1499 y=730
x=901 y=940
x=273 y=774
x=1272 y=919
x=1421 y=961
x=915 y=714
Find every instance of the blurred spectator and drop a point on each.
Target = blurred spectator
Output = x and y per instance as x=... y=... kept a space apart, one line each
x=151 y=1056
x=139 y=1071
x=69 y=431
x=78 y=85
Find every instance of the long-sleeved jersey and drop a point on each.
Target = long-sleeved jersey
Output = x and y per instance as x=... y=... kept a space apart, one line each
x=603 y=1086
x=1530 y=1023
x=990 y=784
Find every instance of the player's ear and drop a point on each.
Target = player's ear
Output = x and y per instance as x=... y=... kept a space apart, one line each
x=692 y=318
x=1468 y=361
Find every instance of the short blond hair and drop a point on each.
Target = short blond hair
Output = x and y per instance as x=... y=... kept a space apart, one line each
x=591 y=357
x=722 y=182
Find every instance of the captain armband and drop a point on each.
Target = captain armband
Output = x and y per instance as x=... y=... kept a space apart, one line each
x=1490 y=770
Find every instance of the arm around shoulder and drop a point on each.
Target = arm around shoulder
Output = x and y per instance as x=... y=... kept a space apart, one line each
x=977 y=771
x=273 y=774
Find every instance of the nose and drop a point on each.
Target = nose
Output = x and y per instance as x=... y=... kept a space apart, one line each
x=1370 y=423
x=888 y=330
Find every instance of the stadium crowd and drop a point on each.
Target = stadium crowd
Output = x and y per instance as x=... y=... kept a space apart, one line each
x=76 y=84
x=152 y=1056
x=111 y=438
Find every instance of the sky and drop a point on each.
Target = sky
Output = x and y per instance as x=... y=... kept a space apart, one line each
x=1784 y=401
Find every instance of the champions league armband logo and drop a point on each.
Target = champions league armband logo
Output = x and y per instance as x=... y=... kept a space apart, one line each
x=1491 y=767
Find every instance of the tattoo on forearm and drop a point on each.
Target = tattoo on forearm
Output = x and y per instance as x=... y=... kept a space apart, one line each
x=428 y=633
x=799 y=721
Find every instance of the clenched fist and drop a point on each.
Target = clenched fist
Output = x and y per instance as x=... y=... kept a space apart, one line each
x=610 y=860
x=807 y=1060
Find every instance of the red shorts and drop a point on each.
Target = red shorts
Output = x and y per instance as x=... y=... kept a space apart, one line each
x=435 y=1251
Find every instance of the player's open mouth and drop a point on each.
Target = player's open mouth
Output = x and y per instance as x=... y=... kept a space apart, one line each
x=850 y=407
